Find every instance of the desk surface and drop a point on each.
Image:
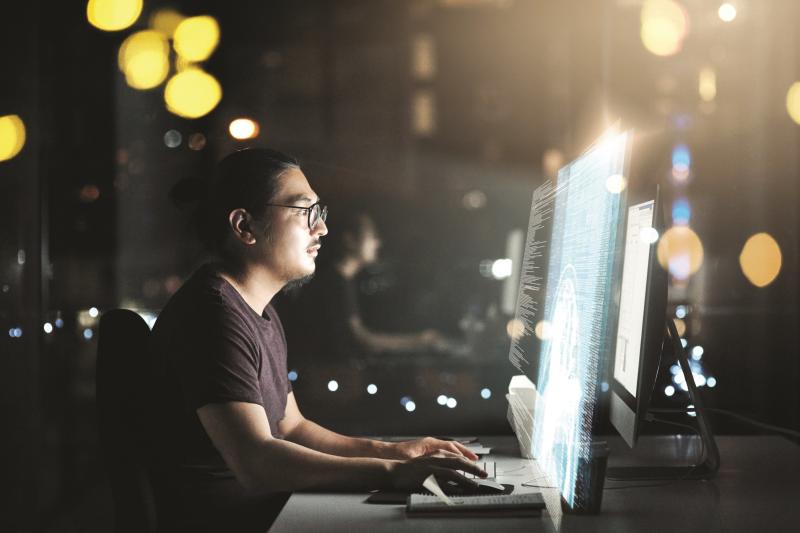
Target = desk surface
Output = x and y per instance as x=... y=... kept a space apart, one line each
x=757 y=489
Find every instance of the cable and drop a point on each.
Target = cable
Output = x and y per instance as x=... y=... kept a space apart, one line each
x=756 y=423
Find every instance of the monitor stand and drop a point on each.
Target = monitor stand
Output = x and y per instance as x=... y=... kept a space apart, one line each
x=708 y=465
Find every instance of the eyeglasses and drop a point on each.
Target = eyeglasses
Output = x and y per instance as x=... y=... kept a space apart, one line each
x=316 y=212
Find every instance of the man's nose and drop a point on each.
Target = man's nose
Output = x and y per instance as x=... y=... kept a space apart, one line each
x=320 y=229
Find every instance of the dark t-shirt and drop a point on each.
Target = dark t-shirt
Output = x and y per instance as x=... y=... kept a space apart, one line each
x=211 y=347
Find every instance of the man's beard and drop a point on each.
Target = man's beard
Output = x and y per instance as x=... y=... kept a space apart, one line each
x=295 y=284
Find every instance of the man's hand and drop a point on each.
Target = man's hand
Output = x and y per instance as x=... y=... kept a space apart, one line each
x=409 y=475
x=429 y=446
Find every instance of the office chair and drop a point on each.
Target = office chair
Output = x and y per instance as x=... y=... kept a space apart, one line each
x=123 y=374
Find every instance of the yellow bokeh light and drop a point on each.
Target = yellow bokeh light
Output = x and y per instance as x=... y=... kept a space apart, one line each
x=12 y=136
x=196 y=37
x=243 y=128
x=761 y=259
x=664 y=26
x=113 y=15
x=793 y=101
x=680 y=252
x=165 y=21
x=515 y=328
x=144 y=58
x=680 y=326
x=192 y=93
x=707 y=84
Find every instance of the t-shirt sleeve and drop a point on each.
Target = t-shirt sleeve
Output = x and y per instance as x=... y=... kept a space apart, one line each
x=217 y=360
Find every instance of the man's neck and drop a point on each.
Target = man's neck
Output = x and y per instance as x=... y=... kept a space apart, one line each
x=256 y=285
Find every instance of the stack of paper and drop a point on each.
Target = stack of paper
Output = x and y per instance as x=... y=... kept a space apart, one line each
x=521 y=404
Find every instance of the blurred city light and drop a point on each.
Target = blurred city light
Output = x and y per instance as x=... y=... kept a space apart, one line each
x=552 y=161
x=697 y=353
x=243 y=128
x=664 y=26
x=372 y=388
x=680 y=311
x=173 y=138
x=451 y=403
x=88 y=334
x=89 y=193
x=197 y=141
x=648 y=235
x=144 y=59
x=486 y=394
x=192 y=93
x=423 y=57
x=707 y=84
x=333 y=385
x=711 y=382
x=515 y=328
x=165 y=21
x=502 y=268
x=680 y=326
x=423 y=113
x=542 y=330
x=195 y=38
x=410 y=406
x=680 y=252
x=94 y=312
x=441 y=399
x=681 y=212
x=761 y=259
x=474 y=199
x=48 y=327
x=793 y=101
x=12 y=136
x=669 y=390
x=616 y=183
x=113 y=15
x=727 y=12
x=292 y=375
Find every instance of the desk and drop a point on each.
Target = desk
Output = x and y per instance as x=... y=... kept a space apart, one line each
x=757 y=489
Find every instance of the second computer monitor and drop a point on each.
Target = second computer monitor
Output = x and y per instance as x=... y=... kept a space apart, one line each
x=640 y=329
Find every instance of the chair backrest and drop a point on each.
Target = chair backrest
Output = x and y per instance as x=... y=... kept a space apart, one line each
x=123 y=378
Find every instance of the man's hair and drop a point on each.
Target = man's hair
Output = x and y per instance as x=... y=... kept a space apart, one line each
x=246 y=179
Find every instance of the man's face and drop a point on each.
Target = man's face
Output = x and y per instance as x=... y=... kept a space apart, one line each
x=370 y=243
x=292 y=248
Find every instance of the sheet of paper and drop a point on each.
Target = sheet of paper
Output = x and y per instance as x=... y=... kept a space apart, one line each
x=432 y=485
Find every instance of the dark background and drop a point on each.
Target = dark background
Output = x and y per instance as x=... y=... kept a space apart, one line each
x=332 y=83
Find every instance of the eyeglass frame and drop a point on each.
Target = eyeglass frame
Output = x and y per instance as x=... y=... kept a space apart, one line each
x=323 y=211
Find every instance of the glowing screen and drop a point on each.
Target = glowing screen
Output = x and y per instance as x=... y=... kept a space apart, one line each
x=632 y=298
x=565 y=303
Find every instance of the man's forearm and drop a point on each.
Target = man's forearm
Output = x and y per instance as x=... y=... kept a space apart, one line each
x=282 y=465
x=316 y=437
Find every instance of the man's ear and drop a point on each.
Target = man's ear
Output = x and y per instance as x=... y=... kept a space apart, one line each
x=240 y=222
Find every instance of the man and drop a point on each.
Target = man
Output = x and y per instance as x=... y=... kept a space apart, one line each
x=231 y=434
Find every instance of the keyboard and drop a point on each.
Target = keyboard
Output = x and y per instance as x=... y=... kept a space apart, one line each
x=490 y=467
x=531 y=501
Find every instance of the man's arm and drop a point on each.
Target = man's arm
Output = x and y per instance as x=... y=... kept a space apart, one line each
x=296 y=428
x=240 y=431
x=393 y=342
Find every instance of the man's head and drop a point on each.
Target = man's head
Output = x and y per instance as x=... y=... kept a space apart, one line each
x=258 y=214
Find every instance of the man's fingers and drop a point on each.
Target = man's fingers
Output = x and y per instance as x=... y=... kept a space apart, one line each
x=463 y=450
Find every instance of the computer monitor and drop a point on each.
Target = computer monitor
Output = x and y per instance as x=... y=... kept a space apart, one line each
x=644 y=335
x=565 y=303
x=642 y=316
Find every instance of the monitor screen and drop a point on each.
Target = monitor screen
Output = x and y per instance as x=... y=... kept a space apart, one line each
x=638 y=240
x=565 y=304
